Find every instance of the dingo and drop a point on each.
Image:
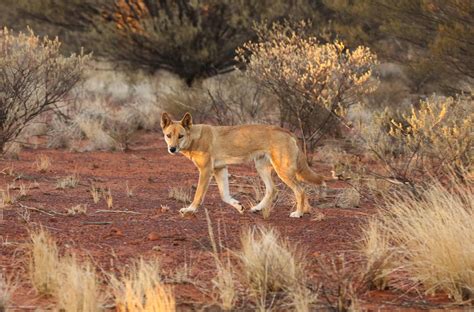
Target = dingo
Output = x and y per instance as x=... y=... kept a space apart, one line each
x=213 y=148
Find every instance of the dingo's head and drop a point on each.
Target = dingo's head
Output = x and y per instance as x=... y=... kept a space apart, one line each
x=176 y=132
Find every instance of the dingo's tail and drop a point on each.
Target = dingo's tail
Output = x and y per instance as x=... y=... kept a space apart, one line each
x=306 y=174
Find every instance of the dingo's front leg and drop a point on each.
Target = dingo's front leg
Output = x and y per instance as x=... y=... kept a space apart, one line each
x=222 y=180
x=205 y=174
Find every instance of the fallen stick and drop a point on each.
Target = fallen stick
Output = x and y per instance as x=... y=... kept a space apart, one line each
x=48 y=212
x=96 y=222
x=118 y=211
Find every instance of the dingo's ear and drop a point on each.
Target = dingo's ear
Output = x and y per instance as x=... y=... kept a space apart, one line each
x=165 y=120
x=187 y=121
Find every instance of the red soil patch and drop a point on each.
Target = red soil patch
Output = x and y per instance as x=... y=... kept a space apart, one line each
x=154 y=228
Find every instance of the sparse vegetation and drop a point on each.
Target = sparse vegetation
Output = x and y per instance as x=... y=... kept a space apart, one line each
x=314 y=82
x=44 y=263
x=181 y=194
x=70 y=181
x=426 y=237
x=7 y=287
x=42 y=163
x=79 y=287
x=109 y=199
x=77 y=210
x=96 y=193
x=34 y=78
x=141 y=289
x=272 y=268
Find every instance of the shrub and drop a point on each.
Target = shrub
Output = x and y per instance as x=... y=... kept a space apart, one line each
x=433 y=139
x=309 y=78
x=34 y=78
x=427 y=238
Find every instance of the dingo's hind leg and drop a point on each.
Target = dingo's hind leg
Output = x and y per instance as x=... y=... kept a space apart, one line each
x=289 y=178
x=222 y=180
x=264 y=169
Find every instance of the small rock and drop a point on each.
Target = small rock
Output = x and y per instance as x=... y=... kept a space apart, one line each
x=156 y=248
x=153 y=236
x=116 y=231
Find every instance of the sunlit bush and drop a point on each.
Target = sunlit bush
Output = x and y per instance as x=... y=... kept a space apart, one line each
x=34 y=78
x=313 y=81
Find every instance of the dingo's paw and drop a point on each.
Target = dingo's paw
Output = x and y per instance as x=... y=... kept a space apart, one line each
x=296 y=214
x=237 y=205
x=184 y=211
x=256 y=209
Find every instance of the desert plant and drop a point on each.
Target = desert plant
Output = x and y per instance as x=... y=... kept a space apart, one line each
x=224 y=282
x=77 y=210
x=34 y=78
x=181 y=194
x=309 y=78
x=44 y=263
x=431 y=140
x=70 y=181
x=79 y=287
x=141 y=289
x=272 y=267
x=109 y=199
x=42 y=163
x=7 y=287
x=428 y=234
x=378 y=254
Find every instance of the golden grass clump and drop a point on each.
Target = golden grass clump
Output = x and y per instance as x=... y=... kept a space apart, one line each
x=429 y=238
x=272 y=266
x=44 y=263
x=74 y=286
x=79 y=289
x=141 y=289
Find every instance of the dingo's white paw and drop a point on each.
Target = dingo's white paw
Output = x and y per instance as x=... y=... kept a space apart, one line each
x=256 y=208
x=296 y=214
x=237 y=205
x=184 y=211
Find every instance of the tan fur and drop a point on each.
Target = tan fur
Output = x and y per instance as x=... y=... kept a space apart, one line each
x=213 y=148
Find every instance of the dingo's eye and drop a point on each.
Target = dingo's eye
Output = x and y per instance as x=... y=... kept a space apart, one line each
x=180 y=136
x=168 y=136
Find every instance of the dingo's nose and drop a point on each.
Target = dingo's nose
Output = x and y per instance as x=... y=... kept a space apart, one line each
x=172 y=149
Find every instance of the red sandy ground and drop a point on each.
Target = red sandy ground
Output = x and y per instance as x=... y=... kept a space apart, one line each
x=176 y=241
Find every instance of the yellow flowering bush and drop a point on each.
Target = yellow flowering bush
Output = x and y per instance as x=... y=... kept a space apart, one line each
x=313 y=81
x=433 y=139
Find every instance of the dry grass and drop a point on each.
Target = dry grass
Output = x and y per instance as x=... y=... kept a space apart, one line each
x=109 y=199
x=348 y=198
x=42 y=163
x=379 y=255
x=71 y=181
x=224 y=282
x=77 y=210
x=129 y=191
x=79 y=287
x=44 y=263
x=7 y=287
x=74 y=286
x=140 y=289
x=273 y=268
x=431 y=235
x=180 y=194
x=96 y=194
x=7 y=196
